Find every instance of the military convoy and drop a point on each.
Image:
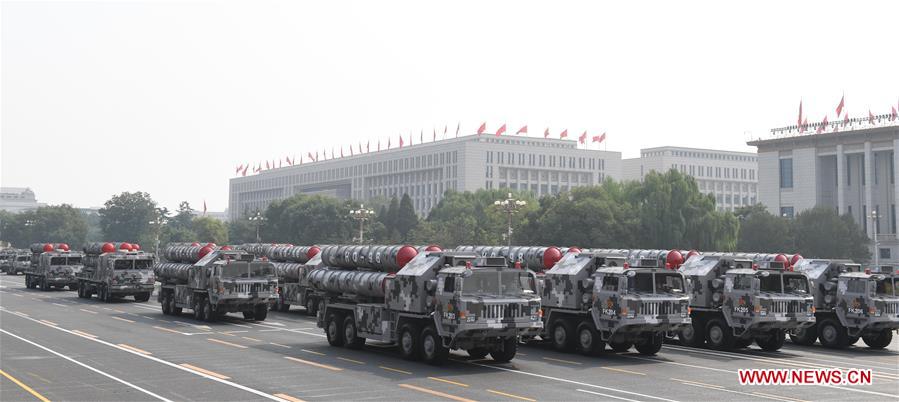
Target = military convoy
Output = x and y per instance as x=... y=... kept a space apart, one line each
x=850 y=303
x=53 y=266
x=292 y=265
x=115 y=270
x=213 y=281
x=426 y=302
x=14 y=261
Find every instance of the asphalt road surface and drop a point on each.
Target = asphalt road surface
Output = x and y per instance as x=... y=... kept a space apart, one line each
x=55 y=346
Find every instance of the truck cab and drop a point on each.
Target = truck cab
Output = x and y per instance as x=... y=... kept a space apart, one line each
x=55 y=269
x=17 y=263
x=118 y=274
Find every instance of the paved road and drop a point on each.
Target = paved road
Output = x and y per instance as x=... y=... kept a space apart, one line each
x=56 y=346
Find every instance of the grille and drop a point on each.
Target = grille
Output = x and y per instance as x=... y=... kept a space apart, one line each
x=250 y=287
x=511 y=310
x=658 y=308
x=788 y=307
x=891 y=308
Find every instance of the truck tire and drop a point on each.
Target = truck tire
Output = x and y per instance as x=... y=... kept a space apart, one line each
x=650 y=344
x=142 y=297
x=44 y=285
x=506 y=352
x=718 y=335
x=208 y=313
x=805 y=336
x=620 y=347
x=248 y=315
x=103 y=294
x=478 y=353
x=261 y=312
x=166 y=304
x=771 y=342
x=74 y=287
x=408 y=341
x=199 y=313
x=432 y=349
x=588 y=340
x=693 y=335
x=742 y=343
x=832 y=334
x=311 y=306
x=283 y=307
x=350 y=338
x=878 y=340
x=80 y=292
x=334 y=329
x=562 y=334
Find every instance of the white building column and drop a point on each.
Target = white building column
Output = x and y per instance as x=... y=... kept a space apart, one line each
x=841 y=180
x=869 y=187
x=895 y=175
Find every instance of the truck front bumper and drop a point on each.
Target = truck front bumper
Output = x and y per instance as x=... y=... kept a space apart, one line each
x=130 y=288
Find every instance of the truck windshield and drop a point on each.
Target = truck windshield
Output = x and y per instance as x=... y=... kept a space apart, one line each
x=26 y=258
x=237 y=269
x=887 y=287
x=132 y=264
x=667 y=282
x=494 y=282
x=770 y=283
x=65 y=261
x=796 y=284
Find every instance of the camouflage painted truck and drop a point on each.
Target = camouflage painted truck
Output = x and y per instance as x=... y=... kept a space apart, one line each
x=215 y=281
x=15 y=261
x=850 y=303
x=116 y=270
x=740 y=298
x=53 y=266
x=427 y=303
x=293 y=263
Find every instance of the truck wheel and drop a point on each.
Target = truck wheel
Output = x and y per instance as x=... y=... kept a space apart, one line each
x=878 y=340
x=620 y=347
x=311 y=306
x=506 y=351
x=650 y=344
x=588 y=340
x=805 y=336
x=173 y=307
x=432 y=349
x=771 y=342
x=409 y=341
x=719 y=335
x=44 y=285
x=334 y=329
x=692 y=335
x=248 y=315
x=142 y=297
x=199 y=313
x=349 y=333
x=832 y=334
x=208 y=314
x=562 y=334
x=166 y=305
x=741 y=343
x=283 y=307
x=74 y=287
x=261 y=312
x=478 y=353
x=80 y=292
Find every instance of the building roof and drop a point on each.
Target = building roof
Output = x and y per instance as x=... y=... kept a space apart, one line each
x=804 y=140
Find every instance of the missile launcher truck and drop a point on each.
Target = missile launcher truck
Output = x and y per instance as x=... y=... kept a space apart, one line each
x=535 y=258
x=14 y=261
x=215 y=281
x=53 y=266
x=115 y=270
x=293 y=263
x=427 y=303
x=740 y=298
x=850 y=303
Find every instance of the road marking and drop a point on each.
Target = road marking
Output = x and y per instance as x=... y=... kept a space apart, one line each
x=314 y=364
x=25 y=387
x=123 y=319
x=82 y=333
x=350 y=360
x=720 y=388
x=448 y=381
x=289 y=398
x=781 y=397
x=561 y=361
x=226 y=343
x=313 y=352
x=623 y=370
x=169 y=330
x=204 y=371
x=60 y=305
x=511 y=395
x=39 y=377
x=129 y=347
x=48 y=322
x=395 y=370
x=22 y=314
x=118 y=311
x=233 y=332
x=88 y=311
x=240 y=325
x=103 y=373
x=698 y=383
x=278 y=344
x=17 y=295
x=435 y=393
x=606 y=395
x=251 y=339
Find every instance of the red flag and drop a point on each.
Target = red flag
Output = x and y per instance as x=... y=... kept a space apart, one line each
x=239 y=167
x=379 y=145
x=599 y=138
x=546 y=133
x=245 y=169
x=316 y=155
x=799 y=120
x=841 y=105
x=434 y=138
x=421 y=137
x=279 y=163
x=351 y=150
x=458 y=126
x=893 y=113
x=482 y=128
x=388 y=143
x=583 y=138
x=310 y=157
x=823 y=126
x=266 y=165
x=360 y=148
x=804 y=125
x=204 y=207
x=401 y=141
x=258 y=168
x=502 y=129
x=445 y=127
x=368 y=146
x=846 y=119
x=870 y=117
x=523 y=129
x=564 y=133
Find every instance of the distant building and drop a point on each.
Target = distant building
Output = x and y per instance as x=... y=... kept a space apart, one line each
x=851 y=171
x=426 y=171
x=18 y=199
x=730 y=176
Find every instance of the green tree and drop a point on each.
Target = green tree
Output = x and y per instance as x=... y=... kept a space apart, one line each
x=127 y=217
x=308 y=219
x=210 y=230
x=406 y=219
x=761 y=231
x=600 y=214
x=821 y=233
x=241 y=231
x=180 y=228
x=471 y=218
x=54 y=224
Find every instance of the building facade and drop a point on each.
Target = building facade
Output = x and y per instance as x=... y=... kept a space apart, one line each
x=731 y=177
x=17 y=199
x=851 y=171
x=426 y=171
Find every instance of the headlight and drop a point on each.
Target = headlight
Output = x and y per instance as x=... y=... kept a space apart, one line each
x=585 y=298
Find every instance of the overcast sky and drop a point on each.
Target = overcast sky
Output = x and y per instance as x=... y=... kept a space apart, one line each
x=168 y=97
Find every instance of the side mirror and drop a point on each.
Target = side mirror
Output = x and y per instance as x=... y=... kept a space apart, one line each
x=587 y=284
x=431 y=286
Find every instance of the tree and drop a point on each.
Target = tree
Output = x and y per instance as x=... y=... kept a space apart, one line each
x=308 y=219
x=241 y=231
x=210 y=230
x=760 y=231
x=821 y=233
x=406 y=219
x=127 y=217
x=594 y=216
x=180 y=228
x=471 y=218
x=52 y=224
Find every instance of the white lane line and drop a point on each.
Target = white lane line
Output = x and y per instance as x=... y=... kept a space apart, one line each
x=161 y=361
x=720 y=388
x=60 y=305
x=606 y=395
x=879 y=365
x=103 y=373
x=146 y=307
x=583 y=384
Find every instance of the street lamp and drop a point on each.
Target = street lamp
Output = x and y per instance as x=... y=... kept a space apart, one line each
x=158 y=222
x=510 y=206
x=362 y=214
x=874 y=222
x=259 y=220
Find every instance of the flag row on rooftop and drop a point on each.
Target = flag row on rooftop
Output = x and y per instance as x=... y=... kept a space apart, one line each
x=841 y=121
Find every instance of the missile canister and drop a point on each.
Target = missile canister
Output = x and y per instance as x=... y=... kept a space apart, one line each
x=288 y=270
x=363 y=283
x=288 y=253
x=172 y=272
x=185 y=253
x=381 y=258
x=535 y=258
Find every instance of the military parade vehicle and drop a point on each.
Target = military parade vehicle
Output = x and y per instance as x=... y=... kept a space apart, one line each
x=535 y=258
x=53 y=266
x=115 y=270
x=293 y=263
x=740 y=298
x=427 y=303
x=850 y=303
x=14 y=261
x=213 y=281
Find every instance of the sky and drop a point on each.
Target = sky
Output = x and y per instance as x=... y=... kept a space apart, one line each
x=169 y=97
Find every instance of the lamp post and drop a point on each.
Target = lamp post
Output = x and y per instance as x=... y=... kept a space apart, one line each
x=259 y=220
x=158 y=222
x=362 y=214
x=873 y=218
x=510 y=206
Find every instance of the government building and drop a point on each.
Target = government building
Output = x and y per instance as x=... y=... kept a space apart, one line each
x=425 y=171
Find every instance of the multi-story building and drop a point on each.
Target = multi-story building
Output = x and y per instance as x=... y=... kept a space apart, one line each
x=17 y=199
x=731 y=177
x=426 y=171
x=852 y=171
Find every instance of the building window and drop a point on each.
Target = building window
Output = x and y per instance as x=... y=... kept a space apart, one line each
x=786 y=212
x=885 y=253
x=786 y=173
x=893 y=216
